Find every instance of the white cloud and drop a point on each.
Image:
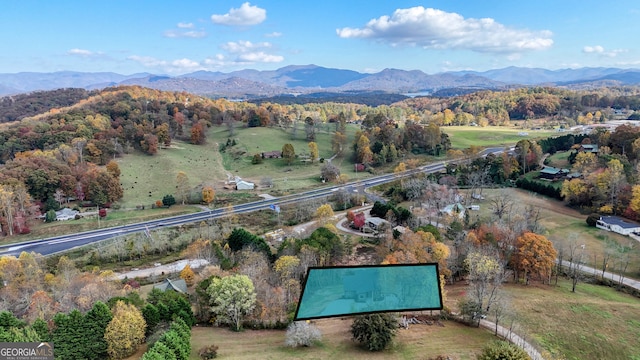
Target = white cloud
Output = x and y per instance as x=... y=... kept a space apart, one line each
x=437 y=29
x=215 y=62
x=273 y=34
x=248 y=52
x=245 y=15
x=182 y=25
x=84 y=53
x=244 y=46
x=599 y=50
x=175 y=66
x=147 y=61
x=259 y=56
x=184 y=34
x=593 y=49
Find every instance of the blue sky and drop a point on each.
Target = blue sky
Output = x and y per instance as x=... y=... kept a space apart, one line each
x=177 y=37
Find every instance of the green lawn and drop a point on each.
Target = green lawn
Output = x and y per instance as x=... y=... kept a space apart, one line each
x=464 y=136
x=298 y=175
x=417 y=342
x=594 y=323
x=146 y=179
x=560 y=159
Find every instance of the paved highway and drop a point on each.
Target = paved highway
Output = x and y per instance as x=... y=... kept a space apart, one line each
x=54 y=245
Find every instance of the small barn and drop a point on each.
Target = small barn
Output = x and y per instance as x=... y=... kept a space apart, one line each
x=244 y=185
x=359 y=287
x=591 y=148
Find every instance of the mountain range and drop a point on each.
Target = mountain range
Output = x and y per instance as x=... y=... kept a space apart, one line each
x=306 y=79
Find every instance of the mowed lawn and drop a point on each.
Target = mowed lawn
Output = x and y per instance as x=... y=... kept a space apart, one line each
x=418 y=342
x=464 y=136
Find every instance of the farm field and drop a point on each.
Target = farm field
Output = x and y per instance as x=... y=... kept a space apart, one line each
x=418 y=342
x=146 y=178
x=250 y=141
x=464 y=136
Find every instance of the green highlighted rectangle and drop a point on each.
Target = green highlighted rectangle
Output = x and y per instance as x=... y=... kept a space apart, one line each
x=349 y=290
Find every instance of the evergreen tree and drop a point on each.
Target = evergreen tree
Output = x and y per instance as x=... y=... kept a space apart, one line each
x=40 y=326
x=69 y=336
x=151 y=317
x=96 y=321
x=159 y=351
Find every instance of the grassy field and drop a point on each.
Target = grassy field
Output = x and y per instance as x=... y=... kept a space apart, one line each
x=464 y=136
x=560 y=159
x=237 y=161
x=417 y=342
x=560 y=223
x=595 y=322
x=146 y=179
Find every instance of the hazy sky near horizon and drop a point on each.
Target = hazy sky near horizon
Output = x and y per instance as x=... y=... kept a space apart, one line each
x=171 y=37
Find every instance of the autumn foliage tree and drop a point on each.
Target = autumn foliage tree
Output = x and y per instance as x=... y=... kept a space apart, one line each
x=288 y=153
x=534 y=256
x=208 y=195
x=231 y=298
x=197 y=134
x=313 y=151
x=126 y=330
x=187 y=275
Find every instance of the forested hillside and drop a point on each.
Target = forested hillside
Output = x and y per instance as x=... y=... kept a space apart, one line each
x=17 y=107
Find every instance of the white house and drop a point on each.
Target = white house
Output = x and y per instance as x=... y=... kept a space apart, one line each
x=244 y=185
x=617 y=225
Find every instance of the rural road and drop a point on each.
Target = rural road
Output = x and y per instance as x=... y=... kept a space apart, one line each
x=513 y=338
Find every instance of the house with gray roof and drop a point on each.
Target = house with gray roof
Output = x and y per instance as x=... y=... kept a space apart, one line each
x=178 y=285
x=618 y=225
x=553 y=173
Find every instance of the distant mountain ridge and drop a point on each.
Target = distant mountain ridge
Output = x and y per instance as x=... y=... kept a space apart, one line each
x=304 y=79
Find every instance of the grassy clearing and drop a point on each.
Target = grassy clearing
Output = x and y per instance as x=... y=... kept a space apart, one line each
x=595 y=322
x=560 y=159
x=146 y=179
x=418 y=342
x=285 y=177
x=561 y=222
x=464 y=136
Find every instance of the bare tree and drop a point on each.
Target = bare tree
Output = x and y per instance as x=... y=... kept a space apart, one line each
x=486 y=275
x=606 y=258
x=501 y=204
x=576 y=260
x=229 y=121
